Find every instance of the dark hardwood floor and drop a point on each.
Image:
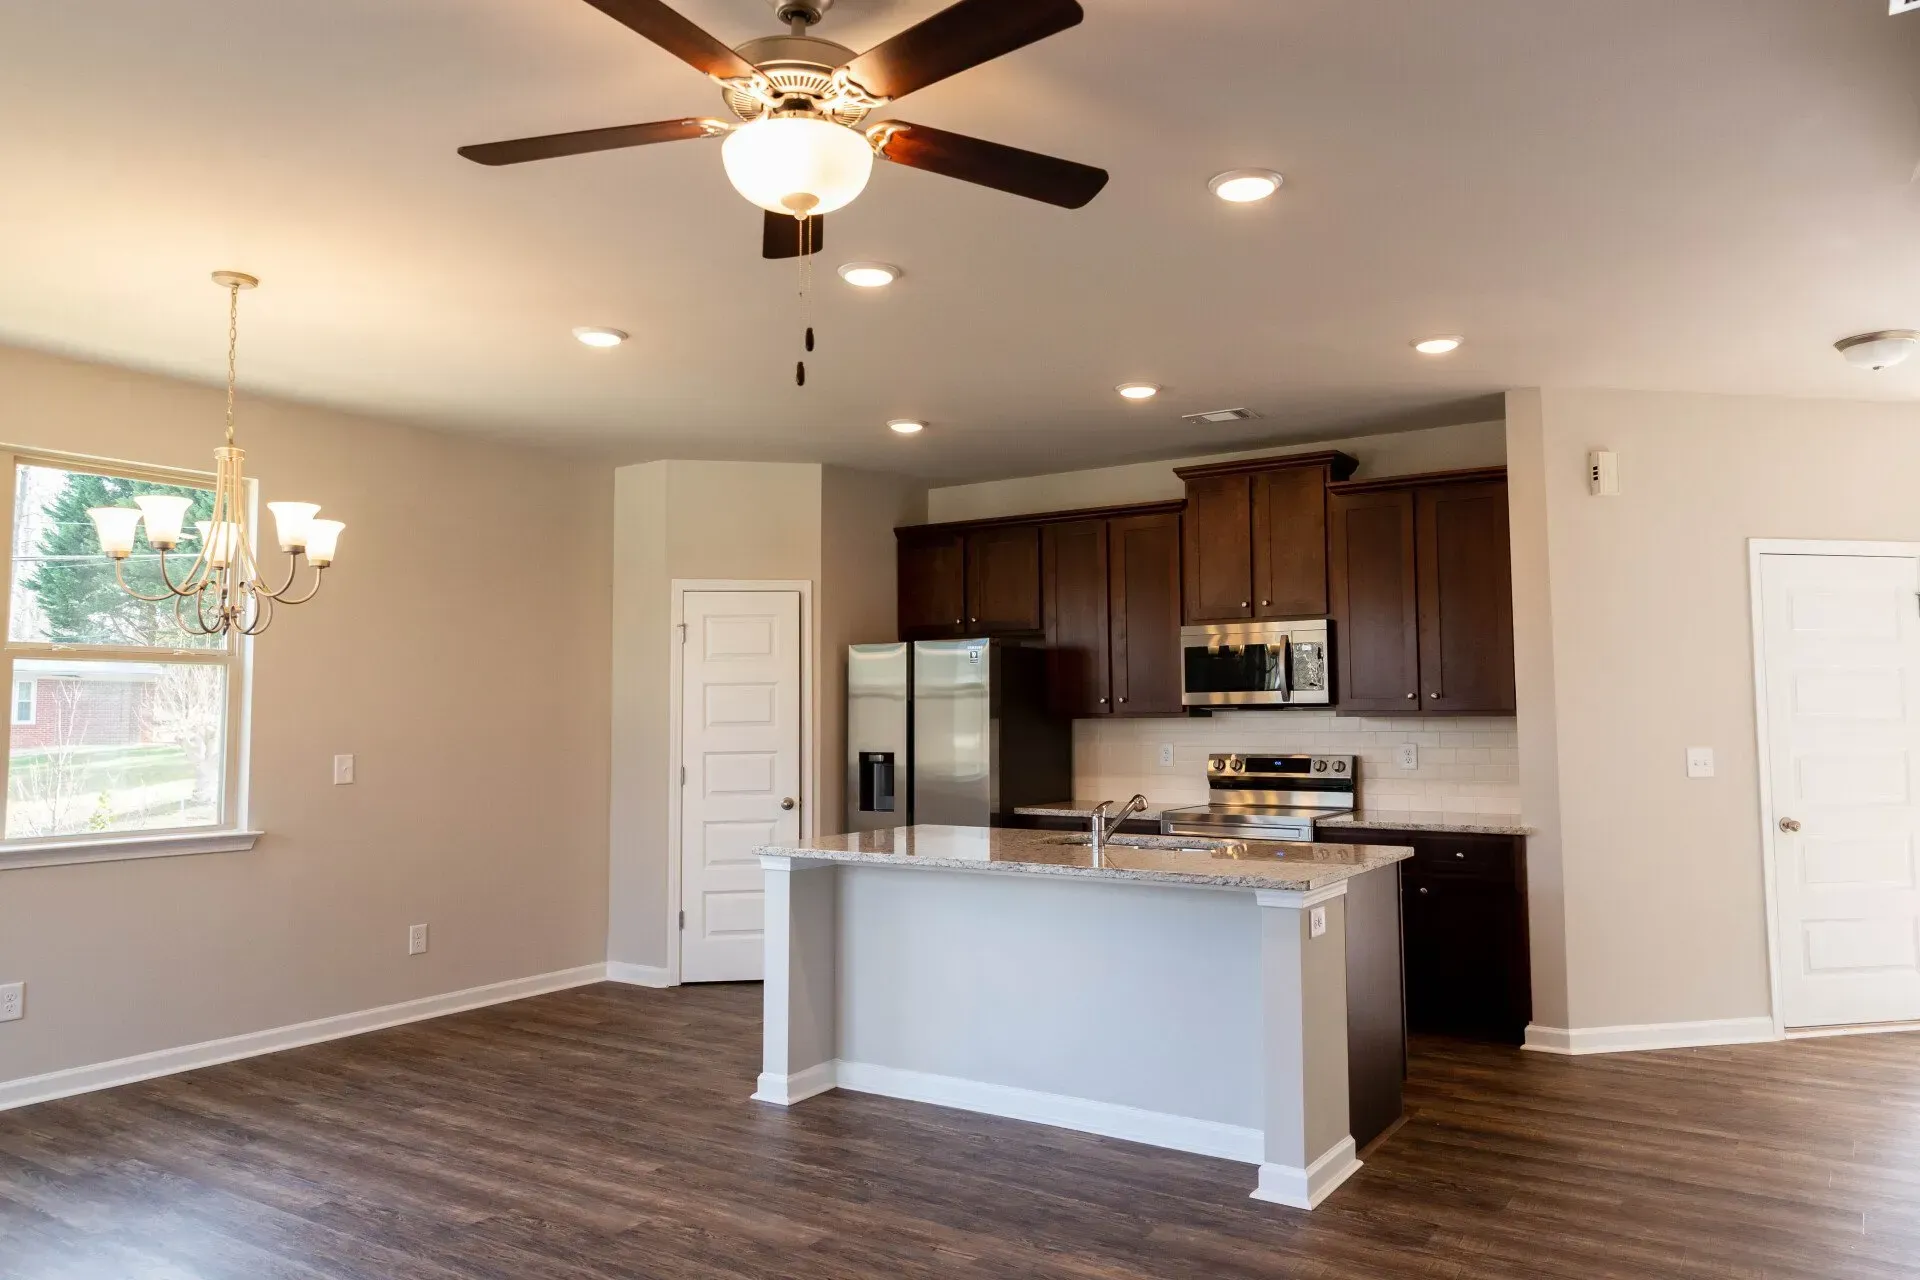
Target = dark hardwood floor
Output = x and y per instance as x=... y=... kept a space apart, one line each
x=606 y=1132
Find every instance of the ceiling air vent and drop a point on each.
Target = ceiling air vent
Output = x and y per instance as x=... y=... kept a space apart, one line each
x=1215 y=416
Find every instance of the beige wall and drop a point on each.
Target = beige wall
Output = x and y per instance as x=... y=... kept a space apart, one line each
x=497 y=839
x=1641 y=646
x=735 y=521
x=1479 y=444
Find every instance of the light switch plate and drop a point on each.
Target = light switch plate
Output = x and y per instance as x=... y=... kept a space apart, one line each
x=1166 y=755
x=342 y=770
x=1699 y=762
x=1316 y=922
x=1409 y=755
x=13 y=1001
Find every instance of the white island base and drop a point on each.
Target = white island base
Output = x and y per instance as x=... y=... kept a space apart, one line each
x=1204 y=1019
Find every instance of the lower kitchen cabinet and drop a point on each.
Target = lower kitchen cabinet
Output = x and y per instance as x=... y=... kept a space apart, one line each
x=1464 y=908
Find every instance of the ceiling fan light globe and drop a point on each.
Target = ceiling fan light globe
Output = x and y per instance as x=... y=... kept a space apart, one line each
x=797 y=164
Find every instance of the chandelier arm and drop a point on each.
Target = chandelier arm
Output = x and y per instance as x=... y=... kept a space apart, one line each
x=293 y=569
x=262 y=615
x=319 y=572
x=121 y=578
x=191 y=628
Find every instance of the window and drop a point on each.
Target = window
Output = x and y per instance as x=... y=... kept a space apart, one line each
x=122 y=721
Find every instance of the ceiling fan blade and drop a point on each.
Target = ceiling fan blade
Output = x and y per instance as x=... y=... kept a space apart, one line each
x=992 y=164
x=676 y=35
x=960 y=36
x=547 y=146
x=780 y=235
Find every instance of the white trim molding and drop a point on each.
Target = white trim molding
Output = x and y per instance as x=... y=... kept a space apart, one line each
x=1577 y=1041
x=1083 y=1115
x=639 y=975
x=163 y=1062
x=1306 y=1188
x=1300 y=899
x=60 y=853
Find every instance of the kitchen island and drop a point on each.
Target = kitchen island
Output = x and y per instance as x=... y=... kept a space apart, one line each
x=1185 y=993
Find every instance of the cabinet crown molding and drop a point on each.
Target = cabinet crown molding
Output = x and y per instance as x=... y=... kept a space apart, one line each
x=1340 y=464
x=1040 y=517
x=1384 y=484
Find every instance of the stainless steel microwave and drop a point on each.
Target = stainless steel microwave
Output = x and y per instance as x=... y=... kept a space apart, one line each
x=1256 y=664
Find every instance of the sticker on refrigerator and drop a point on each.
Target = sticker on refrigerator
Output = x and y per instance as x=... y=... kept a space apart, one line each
x=973 y=656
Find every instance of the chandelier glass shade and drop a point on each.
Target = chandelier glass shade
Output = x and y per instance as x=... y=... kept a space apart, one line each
x=222 y=589
x=798 y=164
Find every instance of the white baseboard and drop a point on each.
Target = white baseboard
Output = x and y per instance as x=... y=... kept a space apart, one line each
x=1306 y=1188
x=145 y=1066
x=1652 y=1035
x=786 y=1090
x=638 y=975
x=1108 y=1119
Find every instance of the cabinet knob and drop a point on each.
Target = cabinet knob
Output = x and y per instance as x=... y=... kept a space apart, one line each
x=1458 y=854
x=1103 y=702
x=1265 y=603
x=958 y=621
x=1433 y=695
x=1423 y=891
x=1413 y=695
x=1123 y=699
x=1244 y=604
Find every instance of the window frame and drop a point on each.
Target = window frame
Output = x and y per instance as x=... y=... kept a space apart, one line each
x=32 y=702
x=234 y=656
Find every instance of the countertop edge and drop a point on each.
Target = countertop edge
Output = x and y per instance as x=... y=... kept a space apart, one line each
x=1331 y=875
x=1493 y=825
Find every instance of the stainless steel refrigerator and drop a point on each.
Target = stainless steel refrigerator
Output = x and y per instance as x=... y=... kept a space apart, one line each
x=951 y=731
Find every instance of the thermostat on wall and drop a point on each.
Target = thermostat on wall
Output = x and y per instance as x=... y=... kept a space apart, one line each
x=1603 y=465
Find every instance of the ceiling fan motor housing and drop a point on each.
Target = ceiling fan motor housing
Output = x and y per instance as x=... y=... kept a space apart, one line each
x=807 y=11
x=801 y=66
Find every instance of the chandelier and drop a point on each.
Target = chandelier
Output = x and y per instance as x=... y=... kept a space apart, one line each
x=223 y=590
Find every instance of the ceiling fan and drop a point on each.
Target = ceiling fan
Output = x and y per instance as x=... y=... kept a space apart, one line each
x=800 y=145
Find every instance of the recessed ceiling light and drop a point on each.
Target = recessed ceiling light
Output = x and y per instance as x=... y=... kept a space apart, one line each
x=595 y=336
x=1244 y=186
x=1881 y=349
x=1139 y=390
x=906 y=426
x=869 y=275
x=1439 y=346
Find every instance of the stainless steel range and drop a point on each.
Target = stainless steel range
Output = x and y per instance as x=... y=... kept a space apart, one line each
x=1267 y=797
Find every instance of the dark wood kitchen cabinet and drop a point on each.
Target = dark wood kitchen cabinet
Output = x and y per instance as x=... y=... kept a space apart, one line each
x=1253 y=540
x=1112 y=614
x=1464 y=908
x=1003 y=579
x=1422 y=594
x=932 y=576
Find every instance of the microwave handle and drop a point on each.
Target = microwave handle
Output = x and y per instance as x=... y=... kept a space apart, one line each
x=1286 y=668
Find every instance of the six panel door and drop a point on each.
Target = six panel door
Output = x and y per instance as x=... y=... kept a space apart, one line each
x=1375 y=604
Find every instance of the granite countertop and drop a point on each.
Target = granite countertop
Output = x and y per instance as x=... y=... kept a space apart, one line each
x=1084 y=809
x=1173 y=860
x=1486 y=824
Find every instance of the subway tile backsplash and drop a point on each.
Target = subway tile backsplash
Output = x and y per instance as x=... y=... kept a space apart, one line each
x=1468 y=764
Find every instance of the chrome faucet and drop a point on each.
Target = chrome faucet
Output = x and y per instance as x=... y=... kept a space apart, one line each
x=1102 y=827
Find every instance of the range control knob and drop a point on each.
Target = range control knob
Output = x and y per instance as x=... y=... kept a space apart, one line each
x=1319 y=766
x=1216 y=763
x=1236 y=764
x=1339 y=766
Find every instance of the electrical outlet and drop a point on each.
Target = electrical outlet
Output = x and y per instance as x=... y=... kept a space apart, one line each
x=1699 y=762
x=1166 y=755
x=1316 y=922
x=342 y=770
x=417 y=940
x=1409 y=755
x=13 y=1001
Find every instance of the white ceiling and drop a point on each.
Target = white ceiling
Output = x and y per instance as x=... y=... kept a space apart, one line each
x=1657 y=194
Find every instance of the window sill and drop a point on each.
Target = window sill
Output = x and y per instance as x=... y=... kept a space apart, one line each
x=173 y=844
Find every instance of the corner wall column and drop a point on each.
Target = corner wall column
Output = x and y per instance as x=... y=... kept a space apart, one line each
x=801 y=986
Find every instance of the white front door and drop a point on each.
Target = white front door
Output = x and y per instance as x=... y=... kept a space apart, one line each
x=740 y=743
x=1840 y=657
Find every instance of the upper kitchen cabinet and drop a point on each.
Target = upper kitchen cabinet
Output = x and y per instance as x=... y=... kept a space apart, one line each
x=1422 y=594
x=933 y=584
x=1073 y=558
x=1003 y=579
x=1254 y=539
x=1112 y=613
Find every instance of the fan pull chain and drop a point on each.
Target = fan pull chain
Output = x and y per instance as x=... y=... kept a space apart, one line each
x=804 y=242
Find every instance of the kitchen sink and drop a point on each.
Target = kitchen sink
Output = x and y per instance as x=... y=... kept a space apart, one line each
x=1164 y=844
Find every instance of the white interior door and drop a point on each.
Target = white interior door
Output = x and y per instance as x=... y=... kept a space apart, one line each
x=740 y=743
x=1840 y=644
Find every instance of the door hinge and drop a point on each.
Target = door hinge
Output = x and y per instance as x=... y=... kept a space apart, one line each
x=683 y=632
x=683 y=919
x=683 y=775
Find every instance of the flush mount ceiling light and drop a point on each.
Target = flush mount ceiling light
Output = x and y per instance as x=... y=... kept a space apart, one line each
x=595 y=336
x=1245 y=186
x=1881 y=349
x=1439 y=346
x=906 y=426
x=1139 y=390
x=869 y=275
x=223 y=573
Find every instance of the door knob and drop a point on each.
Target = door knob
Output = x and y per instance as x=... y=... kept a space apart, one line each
x=786 y=802
x=1789 y=824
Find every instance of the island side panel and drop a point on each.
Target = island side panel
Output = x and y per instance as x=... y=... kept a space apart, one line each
x=1309 y=1144
x=800 y=1026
